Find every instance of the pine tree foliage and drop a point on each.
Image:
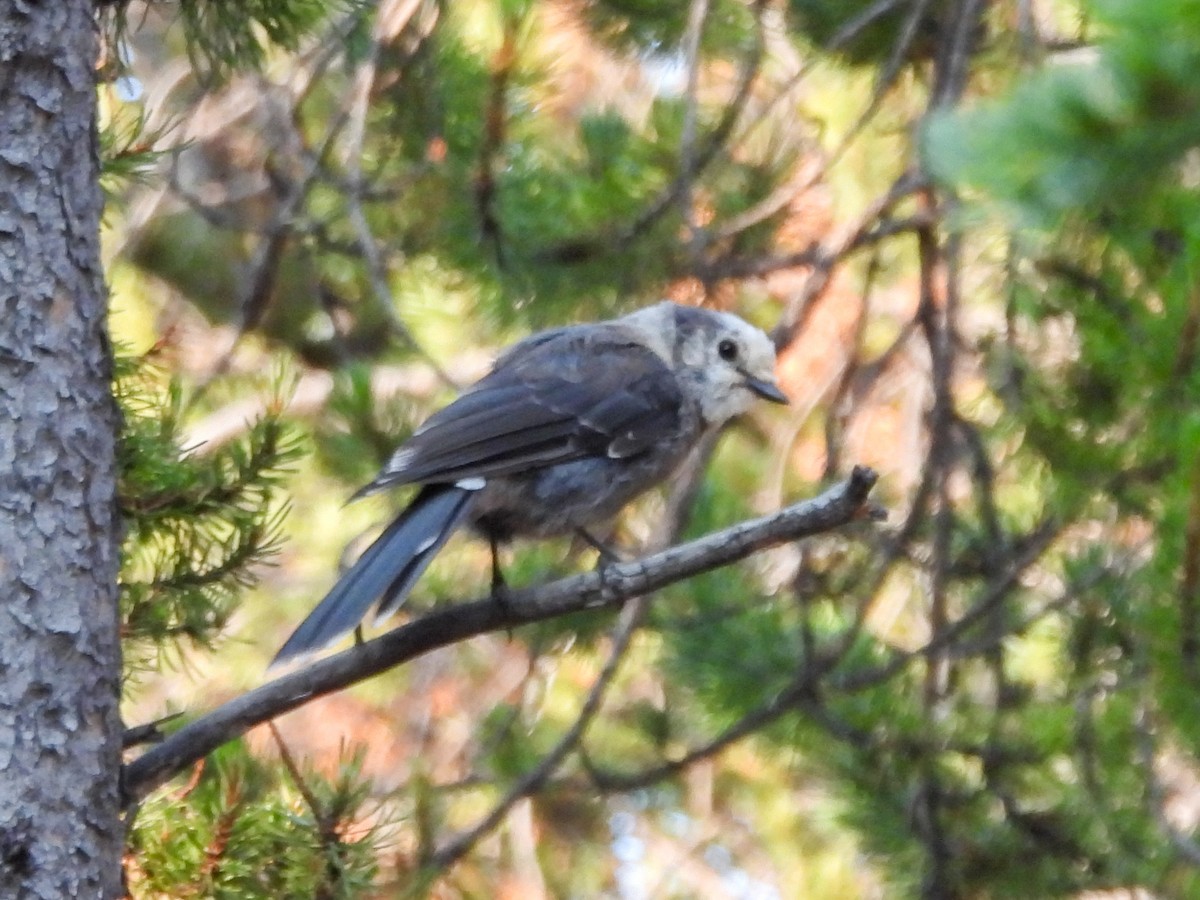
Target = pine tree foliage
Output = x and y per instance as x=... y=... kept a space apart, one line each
x=990 y=696
x=243 y=829
x=200 y=526
x=1095 y=135
x=222 y=37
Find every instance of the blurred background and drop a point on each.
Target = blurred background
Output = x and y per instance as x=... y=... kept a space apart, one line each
x=971 y=229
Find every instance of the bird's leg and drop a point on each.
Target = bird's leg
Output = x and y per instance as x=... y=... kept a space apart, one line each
x=499 y=585
x=607 y=555
x=359 y=640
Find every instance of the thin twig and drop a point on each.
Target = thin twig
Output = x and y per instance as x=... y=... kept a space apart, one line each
x=377 y=266
x=753 y=721
x=581 y=249
x=1040 y=540
x=866 y=232
x=631 y=617
x=147 y=733
x=289 y=763
x=697 y=16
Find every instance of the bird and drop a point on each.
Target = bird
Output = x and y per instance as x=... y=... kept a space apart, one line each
x=568 y=427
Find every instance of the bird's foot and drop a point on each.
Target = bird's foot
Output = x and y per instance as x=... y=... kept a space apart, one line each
x=500 y=595
x=500 y=591
x=607 y=556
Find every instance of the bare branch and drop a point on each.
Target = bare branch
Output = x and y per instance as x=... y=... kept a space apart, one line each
x=495 y=134
x=836 y=507
x=147 y=733
x=996 y=593
x=755 y=720
x=531 y=781
x=869 y=230
x=702 y=154
x=697 y=16
x=374 y=257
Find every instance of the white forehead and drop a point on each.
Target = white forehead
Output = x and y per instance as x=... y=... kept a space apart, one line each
x=739 y=327
x=700 y=332
x=759 y=349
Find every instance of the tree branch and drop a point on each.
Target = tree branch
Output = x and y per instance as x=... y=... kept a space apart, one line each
x=531 y=781
x=838 y=506
x=610 y=782
x=697 y=158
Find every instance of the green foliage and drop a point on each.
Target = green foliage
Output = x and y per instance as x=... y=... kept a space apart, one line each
x=649 y=26
x=222 y=37
x=1089 y=136
x=361 y=433
x=127 y=155
x=734 y=649
x=867 y=32
x=1097 y=151
x=510 y=748
x=199 y=525
x=245 y=828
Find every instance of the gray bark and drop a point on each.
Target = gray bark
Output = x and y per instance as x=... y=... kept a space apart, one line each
x=60 y=832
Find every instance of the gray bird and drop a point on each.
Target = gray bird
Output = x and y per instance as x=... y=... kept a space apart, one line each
x=569 y=426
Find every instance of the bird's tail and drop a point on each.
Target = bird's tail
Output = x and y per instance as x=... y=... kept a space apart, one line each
x=386 y=571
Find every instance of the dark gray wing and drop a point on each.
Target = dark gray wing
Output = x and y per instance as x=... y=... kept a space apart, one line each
x=573 y=393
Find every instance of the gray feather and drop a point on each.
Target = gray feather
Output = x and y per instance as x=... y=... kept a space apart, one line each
x=569 y=426
x=568 y=396
x=403 y=550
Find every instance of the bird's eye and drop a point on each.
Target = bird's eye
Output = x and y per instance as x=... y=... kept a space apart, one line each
x=728 y=350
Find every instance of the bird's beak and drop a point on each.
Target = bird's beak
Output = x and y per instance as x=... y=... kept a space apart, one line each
x=767 y=389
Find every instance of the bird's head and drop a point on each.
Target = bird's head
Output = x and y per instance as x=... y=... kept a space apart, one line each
x=723 y=360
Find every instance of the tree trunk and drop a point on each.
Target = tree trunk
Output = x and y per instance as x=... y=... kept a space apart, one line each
x=60 y=833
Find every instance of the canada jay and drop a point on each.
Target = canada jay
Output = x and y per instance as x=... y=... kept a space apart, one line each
x=569 y=426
